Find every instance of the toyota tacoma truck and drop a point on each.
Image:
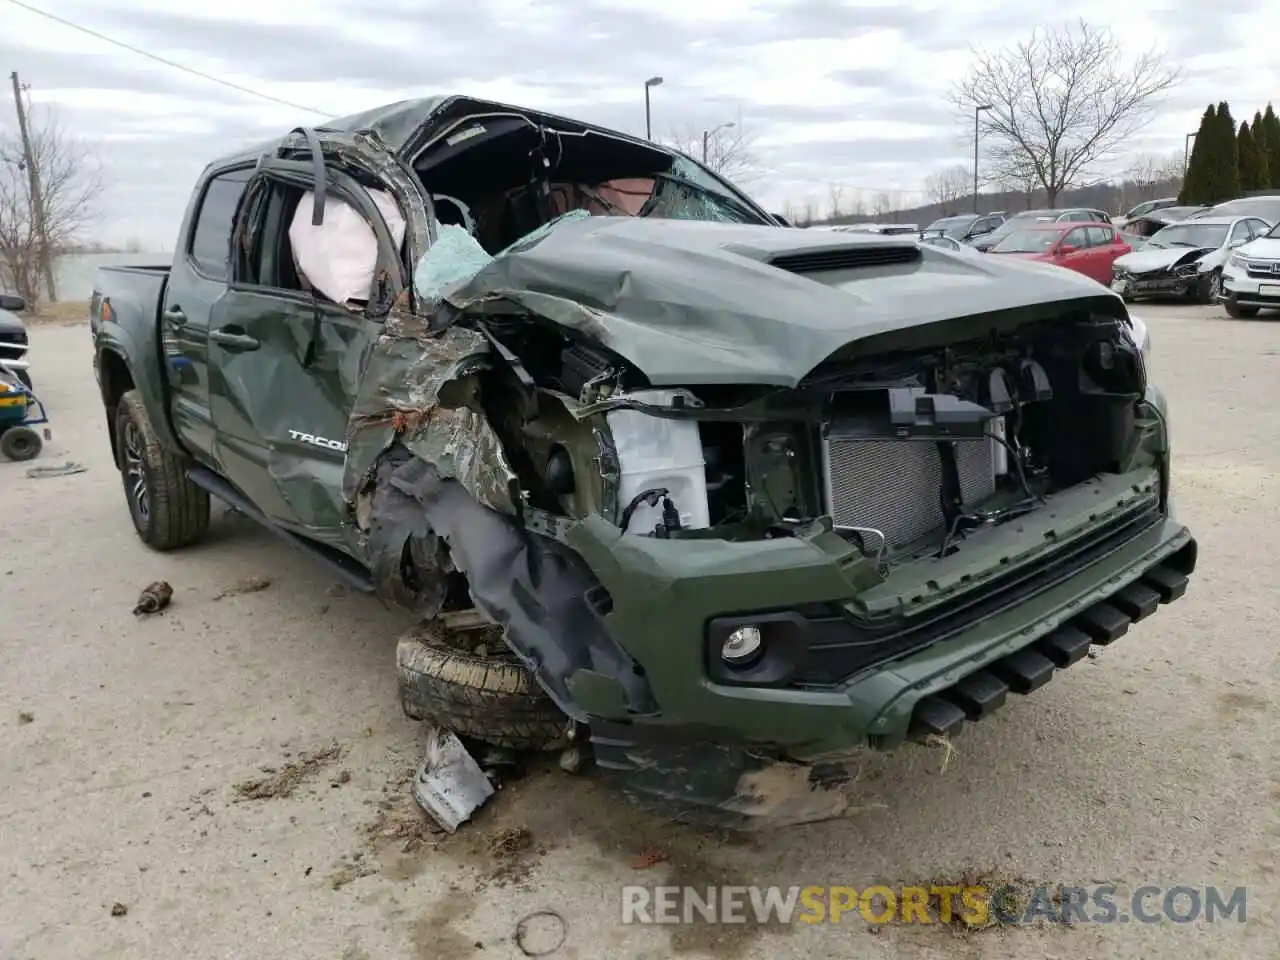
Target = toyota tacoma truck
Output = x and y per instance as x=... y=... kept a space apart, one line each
x=723 y=501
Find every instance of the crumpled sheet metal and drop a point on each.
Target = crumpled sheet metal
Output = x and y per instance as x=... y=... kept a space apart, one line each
x=415 y=389
x=414 y=386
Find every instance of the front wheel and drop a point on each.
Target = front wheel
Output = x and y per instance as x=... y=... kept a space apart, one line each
x=167 y=509
x=1208 y=288
x=1237 y=312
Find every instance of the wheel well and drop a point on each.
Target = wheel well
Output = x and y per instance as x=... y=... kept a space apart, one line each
x=116 y=381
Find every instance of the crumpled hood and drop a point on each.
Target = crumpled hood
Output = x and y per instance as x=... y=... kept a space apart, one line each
x=1155 y=258
x=692 y=302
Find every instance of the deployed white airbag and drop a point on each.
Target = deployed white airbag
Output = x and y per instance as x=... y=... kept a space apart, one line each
x=339 y=256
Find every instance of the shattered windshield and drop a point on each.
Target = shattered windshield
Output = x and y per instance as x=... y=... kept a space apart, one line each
x=687 y=192
x=1189 y=235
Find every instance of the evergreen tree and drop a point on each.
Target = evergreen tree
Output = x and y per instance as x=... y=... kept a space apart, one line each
x=1259 y=132
x=1250 y=160
x=1271 y=123
x=1194 y=182
x=1227 y=164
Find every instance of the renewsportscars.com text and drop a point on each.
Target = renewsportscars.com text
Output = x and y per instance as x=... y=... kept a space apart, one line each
x=975 y=906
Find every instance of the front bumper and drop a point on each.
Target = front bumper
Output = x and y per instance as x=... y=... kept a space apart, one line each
x=712 y=741
x=1243 y=290
x=1161 y=286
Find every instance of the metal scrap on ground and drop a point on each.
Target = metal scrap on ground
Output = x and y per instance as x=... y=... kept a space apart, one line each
x=154 y=598
x=450 y=785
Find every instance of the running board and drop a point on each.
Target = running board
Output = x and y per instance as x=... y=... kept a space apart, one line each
x=343 y=566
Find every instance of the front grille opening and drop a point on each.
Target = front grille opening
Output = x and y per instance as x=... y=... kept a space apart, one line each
x=847 y=258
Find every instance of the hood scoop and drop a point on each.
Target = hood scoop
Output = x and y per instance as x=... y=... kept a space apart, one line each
x=846 y=258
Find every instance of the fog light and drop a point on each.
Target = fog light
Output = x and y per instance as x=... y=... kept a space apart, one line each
x=743 y=646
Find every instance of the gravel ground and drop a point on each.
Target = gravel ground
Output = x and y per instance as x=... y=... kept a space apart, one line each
x=132 y=826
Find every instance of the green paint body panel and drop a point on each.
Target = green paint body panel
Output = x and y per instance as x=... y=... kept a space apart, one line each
x=720 y=319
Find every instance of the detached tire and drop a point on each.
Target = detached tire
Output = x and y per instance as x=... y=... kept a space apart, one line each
x=168 y=510
x=20 y=443
x=493 y=699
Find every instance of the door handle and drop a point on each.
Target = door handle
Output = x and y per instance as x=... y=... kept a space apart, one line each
x=234 y=339
x=175 y=317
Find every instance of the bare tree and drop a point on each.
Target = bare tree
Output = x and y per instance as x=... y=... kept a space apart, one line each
x=881 y=204
x=1061 y=103
x=729 y=150
x=947 y=187
x=1146 y=171
x=70 y=185
x=836 y=195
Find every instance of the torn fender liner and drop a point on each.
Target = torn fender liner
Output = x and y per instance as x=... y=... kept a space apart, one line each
x=533 y=586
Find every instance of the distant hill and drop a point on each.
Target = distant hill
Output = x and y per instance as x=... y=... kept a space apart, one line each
x=1115 y=198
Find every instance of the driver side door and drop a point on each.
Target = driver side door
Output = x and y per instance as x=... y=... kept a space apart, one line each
x=286 y=361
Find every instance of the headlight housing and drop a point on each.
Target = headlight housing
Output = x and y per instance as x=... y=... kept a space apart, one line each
x=1238 y=261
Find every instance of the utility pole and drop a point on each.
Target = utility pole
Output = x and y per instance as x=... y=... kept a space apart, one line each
x=977 y=110
x=37 y=202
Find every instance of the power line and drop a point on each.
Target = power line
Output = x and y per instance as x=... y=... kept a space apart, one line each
x=167 y=62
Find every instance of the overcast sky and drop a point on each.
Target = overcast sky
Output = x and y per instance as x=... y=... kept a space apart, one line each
x=831 y=90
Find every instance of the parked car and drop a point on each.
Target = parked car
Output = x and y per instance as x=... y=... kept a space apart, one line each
x=1144 y=208
x=1251 y=278
x=887 y=229
x=964 y=227
x=1030 y=217
x=1264 y=207
x=655 y=447
x=1151 y=223
x=1088 y=248
x=13 y=337
x=1184 y=259
x=948 y=243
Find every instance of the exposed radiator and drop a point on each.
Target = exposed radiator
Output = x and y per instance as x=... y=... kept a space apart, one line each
x=895 y=486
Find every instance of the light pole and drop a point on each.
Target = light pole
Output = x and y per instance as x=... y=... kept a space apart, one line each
x=648 y=124
x=976 y=111
x=706 y=136
x=1186 y=153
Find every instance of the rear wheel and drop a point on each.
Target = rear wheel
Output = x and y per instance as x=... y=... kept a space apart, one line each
x=167 y=509
x=1239 y=312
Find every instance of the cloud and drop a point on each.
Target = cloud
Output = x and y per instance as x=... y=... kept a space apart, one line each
x=845 y=91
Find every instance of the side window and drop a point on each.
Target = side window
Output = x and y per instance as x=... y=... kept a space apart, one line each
x=1078 y=238
x=1100 y=236
x=210 y=245
x=1074 y=216
x=1239 y=233
x=1258 y=227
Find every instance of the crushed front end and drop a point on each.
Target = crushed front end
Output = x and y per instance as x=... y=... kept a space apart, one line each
x=739 y=539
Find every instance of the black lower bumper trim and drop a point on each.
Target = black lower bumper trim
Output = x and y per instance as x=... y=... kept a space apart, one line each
x=981 y=693
x=1103 y=623
x=1024 y=671
x=1166 y=581
x=1065 y=647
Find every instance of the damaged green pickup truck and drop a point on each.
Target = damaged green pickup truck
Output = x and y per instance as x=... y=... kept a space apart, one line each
x=741 y=500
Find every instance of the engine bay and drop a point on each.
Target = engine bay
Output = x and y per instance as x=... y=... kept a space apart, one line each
x=906 y=452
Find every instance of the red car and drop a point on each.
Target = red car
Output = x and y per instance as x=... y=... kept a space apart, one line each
x=1088 y=248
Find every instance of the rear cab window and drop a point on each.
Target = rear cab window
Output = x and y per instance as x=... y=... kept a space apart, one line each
x=209 y=247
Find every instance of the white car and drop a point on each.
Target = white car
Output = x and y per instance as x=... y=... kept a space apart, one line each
x=1184 y=259
x=1251 y=278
